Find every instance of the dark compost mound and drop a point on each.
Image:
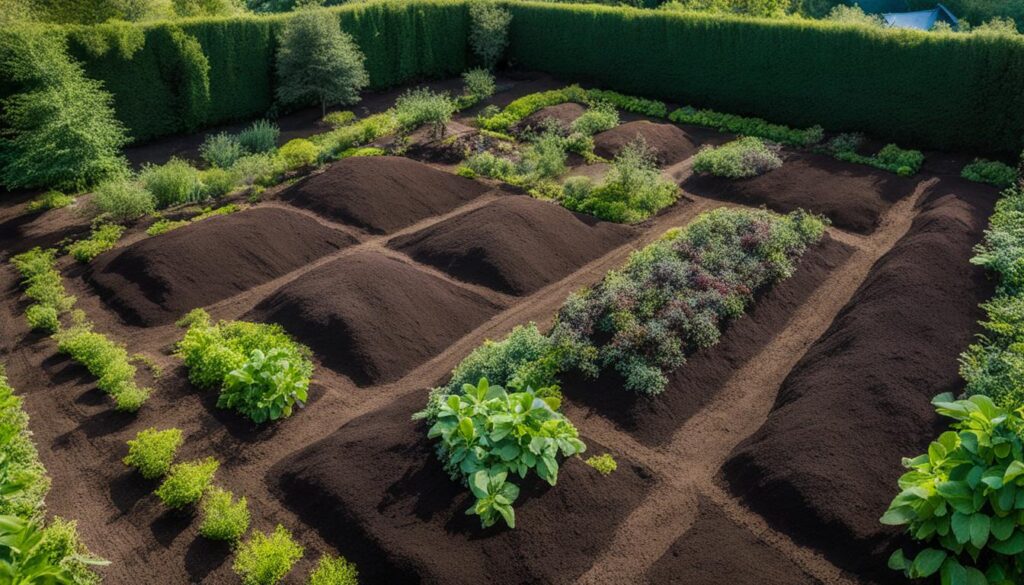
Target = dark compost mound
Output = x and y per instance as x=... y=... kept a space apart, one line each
x=376 y=490
x=156 y=280
x=853 y=196
x=563 y=115
x=516 y=244
x=382 y=194
x=715 y=551
x=825 y=463
x=374 y=318
x=696 y=383
x=670 y=143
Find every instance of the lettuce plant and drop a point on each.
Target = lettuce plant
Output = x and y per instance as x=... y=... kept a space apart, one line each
x=267 y=385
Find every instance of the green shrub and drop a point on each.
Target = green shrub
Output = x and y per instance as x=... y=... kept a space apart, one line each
x=490 y=165
x=993 y=172
x=318 y=63
x=217 y=182
x=163 y=226
x=101 y=239
x=604 y=464
x=173 y=183
x=267 y=385
x=959 y=498
x=42 y=318
x=224 y=518
x=599 y=117
x=488 y=33
x=855 y=15
x=362 y=151
x=63 y=547
x=254 y=169
x=33 y=556
x=297 y=153
x=260 y=136
x=479 y=84
x=334 y=571
x=646 y=107
x=123 y=200
x=487 y=433
x=356 y=134
x=544 y=158
x=43 y=285
x=423 y=106
x=848 y=142
x=186 y=483
x=22 y=477
x=152 y=451
x=522 y=107
x=107 y=361
x=265 y=560
x=49 y=200
x=739 y=159
x=339 y=118
x=891 y=158
x=748 y=126
x=221 y=150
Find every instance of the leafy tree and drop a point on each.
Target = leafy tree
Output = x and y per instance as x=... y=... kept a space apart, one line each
x=318 y=62
x=488 y=35
x=187 y=8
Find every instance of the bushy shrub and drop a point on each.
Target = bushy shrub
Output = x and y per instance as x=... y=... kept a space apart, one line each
x=254 y=169
x=49 y=200
x=487 y=433
x=102 y=238
x=522 y=107
x=334 y=571
x=674 y=296
x=217 y=182
x=261 y=371
x=224 y=517
x=339 y=118
x=749 y=126
x=604 y=464
x=479 y=84
x=173 y=183
x=599 y=117
x=356 y=134
x=488 y=164
x=959 y=498
x=362 y=151
x=544 y=158
x=221 y=150
x=265 y=560
x=646 y=107
x=848 y=142
x=488 y=33
x=891 y=158
x=123 y=200
x=260 y=136
x=43 y=285
x=297 y=153
x=42 y=318
x=22 y=477
x=746 y=157
x=854 y=15
x=152 y=451
x=988 y=171
x=63 y=548
x=186 y=483
x=163 y=226
x=107 y=361
x=423 y=106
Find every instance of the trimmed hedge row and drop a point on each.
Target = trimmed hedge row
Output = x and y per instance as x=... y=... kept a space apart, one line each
x=943 y=91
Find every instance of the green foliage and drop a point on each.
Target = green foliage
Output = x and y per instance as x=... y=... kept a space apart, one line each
x=260 y=136
x=62 y=547
x=254 y=169
x=362 y=151
x=43 y=285
x=543 y=158
x=217 y=182
x=261 y=371
x=488 y=33
x=107 y=361
x=23 y=480
x=49 y=200
x=101 y=239
x=265 y=560
x=891 y=158
x=988 y=171
x=846 y=142
x=487 y=433
x=42 y=318
x=356 y=134
x=334 y=571
x=186 y=483
x=488 y=164
x=604 y=464
x=528 y=104
x=674 y=296
x=854 y=15
x=961 y=498
x=224 y=517
x=152 y=451
x=479 y=84
x=122 y=200
x=59 y=127
x=163 y=226
x=339 y=118
x=599 y=117
x=27 y=558
x=760 y=8
x=318 y=63
x=653 y=108
x=221 y=150
x=190 y=8
x=739 y=159
x=297 y=153
x=173 y=183
x=188 y=70
x=423 y=106
x=748 y=126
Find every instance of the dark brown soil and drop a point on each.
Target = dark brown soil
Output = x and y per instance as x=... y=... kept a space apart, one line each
x=156 y=280
x=382 y=194
x=824 y=465
x=670 y=142
x=372 y=317
x=562 y=114
x=715 y=551
x=852 y=196
x=515 y=245
x=376 y=490
x=694 y=385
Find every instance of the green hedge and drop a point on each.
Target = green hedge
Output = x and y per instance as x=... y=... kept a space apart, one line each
x=154 y=89
x=944 y=91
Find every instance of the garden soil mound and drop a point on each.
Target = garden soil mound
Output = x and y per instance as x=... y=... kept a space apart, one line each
x=515 y=245
x=715 y=551
x=563 y=114
x=653 y=420
x=824 y=465
x=670 y=143
x=376 y=490
x=853 y=196
x=372 y=317
x=158 y=279
x=382 y=194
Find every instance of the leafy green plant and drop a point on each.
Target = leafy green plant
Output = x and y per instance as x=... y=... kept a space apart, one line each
x=224 y=517
x=260 y=136
x=152 y=451
x=42 y=318
x=49 y=200
x=267 y=386
x=163 y=226
x=217 y=182
x=479 y=84
x=420 y=106
x=173 y=183
x=653 y=108
x=599 y=117
x=890 y=158
x=604 y=464
x=43 y=284
x=265 y=560
x=847 y=142
x=25 y=559
x=749 y=126
x=543 y=158
x=297 y=153
x=23 y=480
x=992 y=172
x=101 y=239
x=488 y=33
x=334 y=571
x=340 y=118
x=522 y=107
x=743 y=158
x=107 y=361
x=221 y=150
x=123 y=200
x=255 y=169
x=186 y=482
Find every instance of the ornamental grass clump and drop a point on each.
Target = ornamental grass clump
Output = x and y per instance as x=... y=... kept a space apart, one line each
x=740 y=159
x=674 y=296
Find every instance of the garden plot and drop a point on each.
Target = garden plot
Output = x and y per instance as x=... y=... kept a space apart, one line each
x=373 y=317
x=382 y=194
x=562 y=115
x=853 y=196
x=375 y=483
x=514 y=245
x=157 y=280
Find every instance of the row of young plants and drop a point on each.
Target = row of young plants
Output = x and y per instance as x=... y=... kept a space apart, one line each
x=33 y=550
x=498 y=416
x=963 y=500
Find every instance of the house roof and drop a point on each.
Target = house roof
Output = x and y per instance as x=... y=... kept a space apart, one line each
x=920 y=19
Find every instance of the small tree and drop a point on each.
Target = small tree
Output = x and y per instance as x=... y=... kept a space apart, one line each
x=318 y=62
x=488 y=34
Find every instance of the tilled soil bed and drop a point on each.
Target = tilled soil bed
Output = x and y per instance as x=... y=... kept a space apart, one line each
x=669 y=142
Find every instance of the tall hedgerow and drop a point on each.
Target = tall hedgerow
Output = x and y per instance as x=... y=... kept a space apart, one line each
x=488 y=35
